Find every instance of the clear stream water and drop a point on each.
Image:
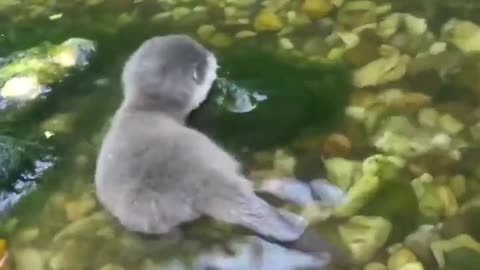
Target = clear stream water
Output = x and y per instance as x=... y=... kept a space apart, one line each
x=57 y=224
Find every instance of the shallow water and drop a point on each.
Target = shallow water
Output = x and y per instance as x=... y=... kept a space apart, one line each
x=269 y=108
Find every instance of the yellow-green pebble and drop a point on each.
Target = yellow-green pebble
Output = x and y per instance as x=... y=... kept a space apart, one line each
x=400 y=258
x=286 y=44
x=243 y=21
x=314 y=213
x=28 y=235
x=245 y=34
x=180 y=12
x=286 y=30
x=206 y=31
x=28 y=259
x=200 y=9
x=428 y=117
x=111 y=267
x=458 y=185
x=291 y=15
x=161 y=17
x=220 y=40
x=94 y=2
x=412 y=266
x=241 y=3
x=450 y=124
x=266 y=21
x=317 y=8
x=450 y=204
x=298 y=19
x=375 y=266
x=229 y=11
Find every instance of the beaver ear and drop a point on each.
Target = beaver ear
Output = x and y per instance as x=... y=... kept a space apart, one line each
x=199 y=70
x=196 y=76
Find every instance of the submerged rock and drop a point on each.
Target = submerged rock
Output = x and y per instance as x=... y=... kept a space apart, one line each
x=435 y=201
x=220 y=40
x=406 y=32
x=29 y=259
x=394 y=137
x=343 y=172
x=463 y=34
x=206 y=31
x=375 y=266
x=317 y=8
x=77 y=209
x=267 y=21
x=402 y=258
x=377 y=171
x=74 y=52
x=355 y=14
x=391 y=67
x=315 y=214
x=420 y=240
x=396 y=133
x=365 y=235
x=85 y=226
x=281 y=165
x=111 y=267
x=245 y=34
x=28 y=235
x=180 y=12
x=28 y=74
x=73 y=254
x=337 y=145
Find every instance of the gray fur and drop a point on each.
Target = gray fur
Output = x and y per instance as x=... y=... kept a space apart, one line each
x=153 y=172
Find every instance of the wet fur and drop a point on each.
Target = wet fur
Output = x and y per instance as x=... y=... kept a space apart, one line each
x=153 y=172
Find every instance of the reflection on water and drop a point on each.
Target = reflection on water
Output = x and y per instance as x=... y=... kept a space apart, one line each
x=258 y=254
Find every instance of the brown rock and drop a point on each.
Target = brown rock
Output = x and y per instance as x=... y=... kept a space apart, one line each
x=337 y=145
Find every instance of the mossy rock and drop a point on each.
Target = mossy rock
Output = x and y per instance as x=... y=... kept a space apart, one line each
x=396 y=202
x=283 y=96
